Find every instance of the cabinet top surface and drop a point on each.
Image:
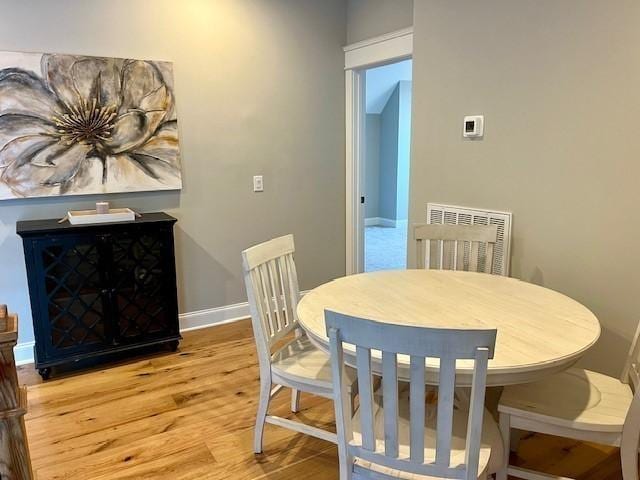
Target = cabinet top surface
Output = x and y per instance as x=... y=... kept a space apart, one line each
x=35 y=227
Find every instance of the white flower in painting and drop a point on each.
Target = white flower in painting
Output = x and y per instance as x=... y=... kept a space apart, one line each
x=86 y=121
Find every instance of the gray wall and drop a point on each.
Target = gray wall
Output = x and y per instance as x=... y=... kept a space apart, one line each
x=372 y=165
x=404 y=149
x=259 y=89
x=394 y=148
x=370 y=18
x=389 y=119
x=558 y=85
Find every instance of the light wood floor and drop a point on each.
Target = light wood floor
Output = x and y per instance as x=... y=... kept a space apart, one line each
x=189 y=415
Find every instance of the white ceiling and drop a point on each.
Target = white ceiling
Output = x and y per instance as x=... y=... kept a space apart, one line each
x=381 y=81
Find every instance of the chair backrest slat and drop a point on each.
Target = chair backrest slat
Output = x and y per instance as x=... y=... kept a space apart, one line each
x=490 y=257
x=286 y=294
x=271 y=295
x=272 y=290
x=446 y=387
x=474 y=255
x=278 y=290
x=459 y=263
x=343 y=398
x=416 y=408
x=455 y=247
x=294 y=290
x=418 y=343
x=266 y=299
x=365 y=392
x=390 y=402
x=476 y=410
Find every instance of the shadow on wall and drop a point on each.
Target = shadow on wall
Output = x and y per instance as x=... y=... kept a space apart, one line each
x=200 y=264
x=610 y=345
x=537 y=277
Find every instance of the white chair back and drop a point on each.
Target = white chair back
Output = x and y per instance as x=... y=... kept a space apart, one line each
x=272 y=289
x=419 y=343
x=631 y=431
x=455 y=247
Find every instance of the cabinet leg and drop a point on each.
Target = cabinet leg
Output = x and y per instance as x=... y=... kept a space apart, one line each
x=174 y=345
x=45 y=373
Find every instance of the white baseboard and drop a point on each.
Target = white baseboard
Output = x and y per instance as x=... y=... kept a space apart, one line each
x=213 y=316
x=383 y=222
x=209 y=317
x=379 y=222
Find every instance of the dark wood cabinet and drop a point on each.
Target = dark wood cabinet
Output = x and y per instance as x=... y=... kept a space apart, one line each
x=100 y=289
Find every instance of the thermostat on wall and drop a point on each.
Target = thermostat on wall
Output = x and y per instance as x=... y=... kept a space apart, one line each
x=473 y=126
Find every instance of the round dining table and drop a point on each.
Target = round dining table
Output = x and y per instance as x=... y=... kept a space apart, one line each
x=539 y=331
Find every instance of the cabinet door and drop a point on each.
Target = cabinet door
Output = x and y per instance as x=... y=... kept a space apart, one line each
x=143 y=273
x=71 y=309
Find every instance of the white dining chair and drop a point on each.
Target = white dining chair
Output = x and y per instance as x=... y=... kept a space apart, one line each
x=455 y=247
x=578 y=404
x=273 y=293
x=395 y=434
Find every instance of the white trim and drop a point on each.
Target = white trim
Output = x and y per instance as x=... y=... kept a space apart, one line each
x=213 y=316
x=379 y=50
x=372 y=221
x=386 y=48
x=384 y=222
x=209 y=317
x=380 y=38
x=355 y=104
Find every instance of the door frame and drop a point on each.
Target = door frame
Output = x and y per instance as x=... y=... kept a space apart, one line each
x=388 y=48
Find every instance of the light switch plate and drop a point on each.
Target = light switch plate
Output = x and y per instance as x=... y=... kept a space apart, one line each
x=258 y=185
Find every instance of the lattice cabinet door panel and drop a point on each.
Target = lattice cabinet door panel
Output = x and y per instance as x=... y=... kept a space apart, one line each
x=100 y=289
x=73 y=296
x=144 y=283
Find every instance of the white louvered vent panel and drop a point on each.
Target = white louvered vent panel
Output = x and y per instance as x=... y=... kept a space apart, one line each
x=451 y=214
x=435 y=216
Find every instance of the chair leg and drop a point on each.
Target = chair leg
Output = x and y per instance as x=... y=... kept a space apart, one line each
x=345 y=462
x=505 y=431
x=629 y=458
x=261 y=416
x=295 y=400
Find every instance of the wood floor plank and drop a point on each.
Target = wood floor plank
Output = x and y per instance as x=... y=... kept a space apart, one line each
x=174 y=374
x=189 y=464
x=569 y=458
x=282 y=449
x=190 y=414
x=131 y=461
x=46 y=452
x=60 y=426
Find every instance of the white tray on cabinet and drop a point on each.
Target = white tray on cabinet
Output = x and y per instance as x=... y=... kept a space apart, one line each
x=86 y=217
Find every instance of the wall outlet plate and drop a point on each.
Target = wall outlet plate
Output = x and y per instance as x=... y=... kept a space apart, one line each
x=473 y=126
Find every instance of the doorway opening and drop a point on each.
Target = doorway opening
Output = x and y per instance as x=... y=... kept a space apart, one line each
x=359 y=57
x=387 y=140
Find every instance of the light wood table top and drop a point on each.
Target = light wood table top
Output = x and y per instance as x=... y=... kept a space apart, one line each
x=540 y=331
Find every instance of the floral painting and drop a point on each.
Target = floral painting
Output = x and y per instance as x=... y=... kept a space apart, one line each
x=77 y=125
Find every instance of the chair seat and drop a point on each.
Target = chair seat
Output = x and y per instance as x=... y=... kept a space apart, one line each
x=490 y=451
x=577 y=398
x=301 y=361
